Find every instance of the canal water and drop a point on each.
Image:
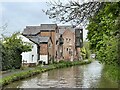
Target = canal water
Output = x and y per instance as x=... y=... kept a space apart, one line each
x=84 y=76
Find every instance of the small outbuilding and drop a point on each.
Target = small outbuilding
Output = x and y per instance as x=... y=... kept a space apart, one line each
x=29 y=58
x=46 y=50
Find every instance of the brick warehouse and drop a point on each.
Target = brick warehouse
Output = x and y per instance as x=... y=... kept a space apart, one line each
x=55 y=42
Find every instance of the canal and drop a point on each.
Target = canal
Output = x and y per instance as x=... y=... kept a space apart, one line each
x=84 y=76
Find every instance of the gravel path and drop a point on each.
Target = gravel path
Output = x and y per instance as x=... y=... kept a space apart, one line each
x=13 y=72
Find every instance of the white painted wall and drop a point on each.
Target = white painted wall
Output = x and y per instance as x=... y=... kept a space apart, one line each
x=44 y=58
x=31 y=56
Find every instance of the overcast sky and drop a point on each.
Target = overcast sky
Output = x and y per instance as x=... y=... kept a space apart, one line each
x=19 y=14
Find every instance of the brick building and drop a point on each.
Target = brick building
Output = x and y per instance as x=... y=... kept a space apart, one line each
x=47 y=37
x=46 y=50
x=55 y=42
x=50 y=30
x=66 y=46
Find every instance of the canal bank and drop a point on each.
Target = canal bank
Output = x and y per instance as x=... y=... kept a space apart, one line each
x=25 y=74
x=78 y=76
x=112 y=72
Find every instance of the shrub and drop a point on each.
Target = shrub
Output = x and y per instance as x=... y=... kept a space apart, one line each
x=12 y=47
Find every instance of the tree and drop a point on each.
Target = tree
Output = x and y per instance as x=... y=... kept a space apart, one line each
x=102 y=26
x=73 y=11
x=3 y=27
x=12 y=47
x=103 y=33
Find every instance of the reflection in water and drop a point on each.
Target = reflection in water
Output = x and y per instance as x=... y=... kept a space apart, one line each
x=92 y=74
x=85 y=76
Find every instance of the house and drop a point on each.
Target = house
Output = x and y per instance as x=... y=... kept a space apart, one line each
x=66 y=46
x=55 y=43
x=29 y=58
x=31 y=30
x=50 y=30
x=44 y=31
x=46 y=50
x=78 y=42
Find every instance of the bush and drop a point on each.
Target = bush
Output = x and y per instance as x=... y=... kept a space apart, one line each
x=61 y=61
x=11 y=48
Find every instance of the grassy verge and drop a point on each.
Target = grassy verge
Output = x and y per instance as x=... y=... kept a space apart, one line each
x=22 y=75
x=112 y=72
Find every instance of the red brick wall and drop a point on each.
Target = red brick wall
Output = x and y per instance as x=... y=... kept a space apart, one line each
x=52 y=35
x=69 y=42
x=43 y=49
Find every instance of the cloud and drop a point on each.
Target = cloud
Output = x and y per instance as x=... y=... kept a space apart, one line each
x=21 y=14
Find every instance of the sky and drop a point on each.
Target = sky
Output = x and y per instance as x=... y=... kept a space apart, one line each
x=18 y=15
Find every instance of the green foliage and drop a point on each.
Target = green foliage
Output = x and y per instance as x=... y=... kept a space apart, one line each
x=12 y=47
x=109 y=53
x=104 y=37
x=85 y=50
x=102 y=33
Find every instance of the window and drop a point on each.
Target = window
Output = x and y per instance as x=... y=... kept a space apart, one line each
x=66 y=39
x=56 y=53
x=81 y=40
x=32 y=57
x=50 y=45
x=61 y=40
x=69 y=52
x=56 y=42
x=69 y=40
x=67 y=49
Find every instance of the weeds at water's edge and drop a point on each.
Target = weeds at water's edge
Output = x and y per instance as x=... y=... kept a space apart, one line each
x=22 y=75
x=112 y=72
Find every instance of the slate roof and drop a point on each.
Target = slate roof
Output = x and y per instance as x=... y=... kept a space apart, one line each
x=48 y=26
x=38 y=39
x=44 y=39
x=33 y=30
x=34 y=39
x=63 y=28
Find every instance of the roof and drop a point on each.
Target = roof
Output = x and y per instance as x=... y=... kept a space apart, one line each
x=33 y=30
x=44 y=39
x=48 y=26
x=24 y=39
x=38 y=39
x=34 y=39
x=63 y=28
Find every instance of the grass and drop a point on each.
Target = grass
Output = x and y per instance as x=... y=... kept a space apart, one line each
x=112 y=72
x=22 y=75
